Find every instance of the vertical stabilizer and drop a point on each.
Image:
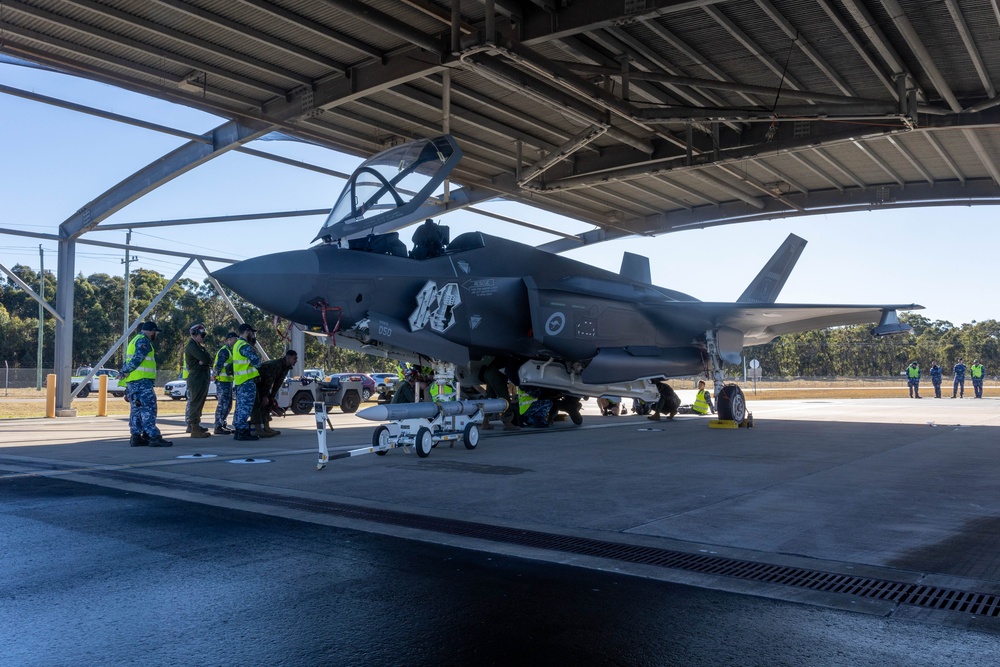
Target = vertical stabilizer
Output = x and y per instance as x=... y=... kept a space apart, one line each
x=768 y=283
x=636 y=268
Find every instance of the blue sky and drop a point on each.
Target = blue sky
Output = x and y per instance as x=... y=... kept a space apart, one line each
x=54 y=161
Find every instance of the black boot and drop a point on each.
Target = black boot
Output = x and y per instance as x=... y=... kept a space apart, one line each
x=158 y=441
x=137 y=440
x=223 y=430
x=244 y=434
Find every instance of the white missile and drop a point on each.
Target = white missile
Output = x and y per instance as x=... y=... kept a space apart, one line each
x=400 y=411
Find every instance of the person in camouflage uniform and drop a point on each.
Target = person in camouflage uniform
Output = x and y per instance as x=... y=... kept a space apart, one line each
x=272 y=375
x=139 y=372
x=959 y=371
x=223 y=370
x=977 y=372
x=245 y=364
x=936 y=373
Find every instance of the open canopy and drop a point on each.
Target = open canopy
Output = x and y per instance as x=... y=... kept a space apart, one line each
x=391 y=187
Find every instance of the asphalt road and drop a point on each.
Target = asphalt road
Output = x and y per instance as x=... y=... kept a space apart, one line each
x=97 y=576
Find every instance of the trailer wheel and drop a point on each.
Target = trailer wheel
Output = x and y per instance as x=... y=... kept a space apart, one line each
x=350 y=402
x=423 y=442
x=470 y=436
x=302 y=403
x=381 y=438
x=732 y=403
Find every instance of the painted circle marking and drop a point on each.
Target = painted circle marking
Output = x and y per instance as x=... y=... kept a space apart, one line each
x=555 y=324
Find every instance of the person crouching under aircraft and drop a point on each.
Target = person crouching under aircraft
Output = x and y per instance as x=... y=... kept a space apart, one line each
x=534 y=411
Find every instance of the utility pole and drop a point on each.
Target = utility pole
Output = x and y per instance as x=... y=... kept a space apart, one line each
x=41 y=317
x=127 y=261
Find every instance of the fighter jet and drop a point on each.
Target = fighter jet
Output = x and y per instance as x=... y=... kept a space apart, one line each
x=565 y=325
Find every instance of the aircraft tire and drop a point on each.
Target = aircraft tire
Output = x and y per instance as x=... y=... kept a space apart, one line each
x=423 y=442
x=381 y=438
x=732 y=403
x=470 y=436
x=302 y=403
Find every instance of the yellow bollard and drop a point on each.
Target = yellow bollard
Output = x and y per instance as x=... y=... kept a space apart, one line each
x=50 y=395
x=102 y=396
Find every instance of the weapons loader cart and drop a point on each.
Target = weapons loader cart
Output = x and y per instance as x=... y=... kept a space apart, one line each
x=299 y=395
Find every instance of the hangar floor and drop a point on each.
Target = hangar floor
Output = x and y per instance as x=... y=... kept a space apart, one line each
x=883 y=506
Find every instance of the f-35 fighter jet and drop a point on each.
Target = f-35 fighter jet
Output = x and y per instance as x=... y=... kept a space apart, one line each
x=566 y=325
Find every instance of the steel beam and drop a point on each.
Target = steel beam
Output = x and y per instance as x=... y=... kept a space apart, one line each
x=32 y=293
x=65 y=275
x=220 y=140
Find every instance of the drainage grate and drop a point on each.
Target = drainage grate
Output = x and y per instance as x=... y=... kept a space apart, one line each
x=932 y=597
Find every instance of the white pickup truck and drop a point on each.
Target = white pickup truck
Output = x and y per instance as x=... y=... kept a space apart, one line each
x=95 y=382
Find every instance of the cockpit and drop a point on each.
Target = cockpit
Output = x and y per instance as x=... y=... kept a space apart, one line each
x=429 y=240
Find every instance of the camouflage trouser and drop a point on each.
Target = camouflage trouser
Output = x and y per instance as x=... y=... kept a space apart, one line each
x=959 y=384
x=977 y=386
x=246 y=394
x=224 y=392
x=537 y=414
x=914 y=385
x=142 y=417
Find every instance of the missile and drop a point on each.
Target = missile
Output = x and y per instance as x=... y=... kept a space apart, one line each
x=400 y=411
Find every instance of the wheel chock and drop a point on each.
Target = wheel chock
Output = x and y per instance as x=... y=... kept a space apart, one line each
x=722 y=423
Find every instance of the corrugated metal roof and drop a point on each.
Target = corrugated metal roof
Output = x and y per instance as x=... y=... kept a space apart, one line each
x=374 y=68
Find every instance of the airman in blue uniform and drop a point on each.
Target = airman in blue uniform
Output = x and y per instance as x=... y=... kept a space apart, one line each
x=139 y=372
x=223 y=369
x=246 y=361
x=913 y=379
x=978 y=373
x=936 y=373
x=959 y=379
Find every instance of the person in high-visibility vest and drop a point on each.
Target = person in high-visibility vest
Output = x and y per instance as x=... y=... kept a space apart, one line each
x=223 y=369
x=442 y=392
x=913 y=379
x=534 y=411
x=978 y=373
x=245 y=364
x=702 y=402
x=139 y=372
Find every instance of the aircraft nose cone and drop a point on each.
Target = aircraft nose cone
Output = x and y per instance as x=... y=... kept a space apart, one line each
x=281 y=283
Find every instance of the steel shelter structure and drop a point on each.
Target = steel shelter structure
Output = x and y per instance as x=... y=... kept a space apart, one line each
x=639 y=117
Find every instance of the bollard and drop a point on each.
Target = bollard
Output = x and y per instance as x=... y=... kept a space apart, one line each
x=102 y=396
x=50 y=395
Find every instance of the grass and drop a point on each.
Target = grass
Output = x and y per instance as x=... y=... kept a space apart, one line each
x=29 y=403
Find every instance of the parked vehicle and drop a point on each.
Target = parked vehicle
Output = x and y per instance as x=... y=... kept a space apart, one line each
x=385 y=385
x=314 y=373
x=95 y=382
x=177 y=389
x=367 y=383
x=301 y=394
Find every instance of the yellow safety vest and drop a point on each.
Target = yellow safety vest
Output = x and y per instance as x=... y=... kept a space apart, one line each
x=524 y=401
x=242 y=370
x=977 y=371
x=913 y=371
x=227 y=369
x=700 y=404
x=147 y=369
x=442 y=392
x=184 y=368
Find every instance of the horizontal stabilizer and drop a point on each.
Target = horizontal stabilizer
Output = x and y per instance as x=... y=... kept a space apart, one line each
x=768 y=283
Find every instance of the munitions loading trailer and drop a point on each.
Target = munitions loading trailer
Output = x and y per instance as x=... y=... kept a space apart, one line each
x=300 y=395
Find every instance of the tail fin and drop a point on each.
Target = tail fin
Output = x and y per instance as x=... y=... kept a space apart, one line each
x=636 y=268
x=768 y=283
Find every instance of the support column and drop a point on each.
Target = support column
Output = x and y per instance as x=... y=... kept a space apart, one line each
x=64 y=329
x=299 y=345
